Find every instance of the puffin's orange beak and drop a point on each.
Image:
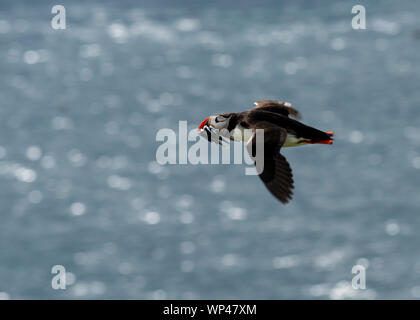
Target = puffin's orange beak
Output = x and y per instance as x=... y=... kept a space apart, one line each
x=201 y=126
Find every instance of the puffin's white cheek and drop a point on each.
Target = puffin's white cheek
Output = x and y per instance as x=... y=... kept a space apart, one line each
x=220 y=125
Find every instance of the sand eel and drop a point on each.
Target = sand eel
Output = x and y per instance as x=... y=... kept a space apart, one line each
x=280 y=131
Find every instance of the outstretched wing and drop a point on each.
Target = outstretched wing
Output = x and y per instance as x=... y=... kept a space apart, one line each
x=284 y=108
x=277 y=174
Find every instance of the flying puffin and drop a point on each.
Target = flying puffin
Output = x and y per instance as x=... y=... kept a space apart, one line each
x=279 y=131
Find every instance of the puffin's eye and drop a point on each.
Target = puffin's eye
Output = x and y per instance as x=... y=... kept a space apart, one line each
x=219 y=119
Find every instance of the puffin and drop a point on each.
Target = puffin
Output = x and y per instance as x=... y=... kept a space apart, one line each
x=282 y=129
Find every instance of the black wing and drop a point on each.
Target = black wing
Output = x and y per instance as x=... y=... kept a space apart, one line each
x=284 y=108
x=278 y=120
x=277 y=174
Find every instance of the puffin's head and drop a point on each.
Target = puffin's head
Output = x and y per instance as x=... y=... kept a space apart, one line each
x=219 y=122
x=211 y=126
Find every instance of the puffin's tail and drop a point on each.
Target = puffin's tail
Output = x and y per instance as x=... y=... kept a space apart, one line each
x=329 y=139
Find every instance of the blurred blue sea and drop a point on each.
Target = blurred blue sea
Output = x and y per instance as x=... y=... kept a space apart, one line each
x=79 y=185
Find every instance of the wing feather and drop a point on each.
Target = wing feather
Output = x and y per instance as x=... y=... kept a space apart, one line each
x=284 y=108
x=277 y=174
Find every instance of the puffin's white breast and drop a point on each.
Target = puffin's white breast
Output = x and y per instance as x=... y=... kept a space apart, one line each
x=293 y=141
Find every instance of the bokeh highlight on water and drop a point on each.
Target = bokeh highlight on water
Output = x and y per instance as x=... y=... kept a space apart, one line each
x=79 y=182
